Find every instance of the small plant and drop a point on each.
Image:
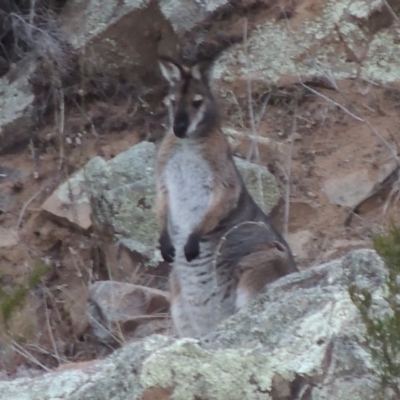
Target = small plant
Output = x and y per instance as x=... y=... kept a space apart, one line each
x=383 y=332
x=10 y=302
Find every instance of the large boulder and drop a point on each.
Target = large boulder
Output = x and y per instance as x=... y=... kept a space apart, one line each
x=121 y=193
x=123 y=39
x=302 y=338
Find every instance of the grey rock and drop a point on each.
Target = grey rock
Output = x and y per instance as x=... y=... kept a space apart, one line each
x=121 y=195
x=16 y=106
x=70 y=202
x=123 y=39
x=303 y=335
x=284 y=54
x=261 y=184
x=118 y=309
x=351 y=189
x=184 y=16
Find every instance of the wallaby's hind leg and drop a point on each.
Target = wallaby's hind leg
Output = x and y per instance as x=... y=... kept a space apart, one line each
x=180 y=318
x=194 y=314
x=181 y=321
x=260 y=268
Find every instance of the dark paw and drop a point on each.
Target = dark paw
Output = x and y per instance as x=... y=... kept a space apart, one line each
x=192 y=247
x=166 y=247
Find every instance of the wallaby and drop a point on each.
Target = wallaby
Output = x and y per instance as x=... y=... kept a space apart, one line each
x=222 y=247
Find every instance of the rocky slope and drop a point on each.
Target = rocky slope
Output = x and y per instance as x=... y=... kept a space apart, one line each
x=301 y=339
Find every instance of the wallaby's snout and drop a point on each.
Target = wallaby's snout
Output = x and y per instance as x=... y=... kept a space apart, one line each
x=181 y=123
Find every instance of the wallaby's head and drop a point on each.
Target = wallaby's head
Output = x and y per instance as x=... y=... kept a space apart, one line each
x=194 y=107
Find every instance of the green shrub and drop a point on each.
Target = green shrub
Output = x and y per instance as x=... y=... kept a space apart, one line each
x=10 y=302
x=383 y=332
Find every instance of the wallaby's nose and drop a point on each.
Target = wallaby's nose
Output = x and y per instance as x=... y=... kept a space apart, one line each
x=181 y=123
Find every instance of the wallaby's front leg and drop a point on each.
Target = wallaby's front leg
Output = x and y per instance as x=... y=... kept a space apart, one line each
x=166 y=247
x=222 y=202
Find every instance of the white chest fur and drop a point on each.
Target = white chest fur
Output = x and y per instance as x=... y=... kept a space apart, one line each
x=189 y=183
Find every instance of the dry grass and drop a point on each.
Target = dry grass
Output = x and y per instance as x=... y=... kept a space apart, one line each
x=37 y=33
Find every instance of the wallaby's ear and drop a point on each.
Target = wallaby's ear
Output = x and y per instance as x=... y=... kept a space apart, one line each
x=170 y=70
x=196 y=72
x=201 y=71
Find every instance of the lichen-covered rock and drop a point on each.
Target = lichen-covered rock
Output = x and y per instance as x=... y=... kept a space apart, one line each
x=302 y=338
x=118 y=39
x=123 y=39
x=336 y=40
x=121 y=194
x=261 y=184
x=70 y=202
x=16 y=106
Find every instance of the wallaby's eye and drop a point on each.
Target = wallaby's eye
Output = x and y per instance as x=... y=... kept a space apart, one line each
x=197 y=101
x=169 y=100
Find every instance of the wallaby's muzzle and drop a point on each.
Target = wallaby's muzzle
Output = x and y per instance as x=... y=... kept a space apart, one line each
x=181 y=123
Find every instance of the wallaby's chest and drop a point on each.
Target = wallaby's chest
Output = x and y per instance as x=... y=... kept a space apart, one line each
x=188 y=178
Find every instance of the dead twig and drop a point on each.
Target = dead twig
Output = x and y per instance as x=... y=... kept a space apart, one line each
x=53 y=343
x=24 y=207
x=288 y=175
x=61 y=125
x=20 y=350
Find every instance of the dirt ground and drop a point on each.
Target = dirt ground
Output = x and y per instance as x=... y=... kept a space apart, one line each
x=336 y=146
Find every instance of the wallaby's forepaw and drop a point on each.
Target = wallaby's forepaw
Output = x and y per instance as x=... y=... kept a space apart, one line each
x=192 y=247
x=166 y=247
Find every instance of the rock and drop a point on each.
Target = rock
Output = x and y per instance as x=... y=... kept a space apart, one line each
x=121 y=194
x=261 y=184
x=303 y=335
x=350 y=189
x=70 y=202
x=117 y=39
x=298 y=242
x=16 y=107
x=124 y=40
x=133 y=311
x=184 y=16
x=7 y=238
x=327 y=40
